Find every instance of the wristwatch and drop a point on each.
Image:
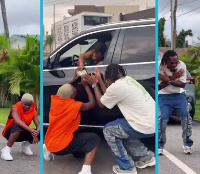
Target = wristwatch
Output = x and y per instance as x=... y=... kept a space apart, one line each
x=94 y=85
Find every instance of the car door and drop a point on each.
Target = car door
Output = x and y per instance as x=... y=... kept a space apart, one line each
x=59 y=70
x=135 y=51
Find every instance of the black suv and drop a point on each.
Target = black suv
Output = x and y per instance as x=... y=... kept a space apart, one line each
x=130 y=44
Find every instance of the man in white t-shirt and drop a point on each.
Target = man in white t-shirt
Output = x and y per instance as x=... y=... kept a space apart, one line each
x=172 y=80
x=138 y=109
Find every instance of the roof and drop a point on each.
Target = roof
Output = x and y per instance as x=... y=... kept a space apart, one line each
x=177 y=50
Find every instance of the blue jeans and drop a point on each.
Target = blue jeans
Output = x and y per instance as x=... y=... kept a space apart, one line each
x=178 y=103
x=119 y=134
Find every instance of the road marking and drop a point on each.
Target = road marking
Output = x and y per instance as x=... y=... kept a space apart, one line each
x=179 y=163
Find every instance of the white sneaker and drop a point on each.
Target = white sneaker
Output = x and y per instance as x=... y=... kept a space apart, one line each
x=160 y=152
x=84 y=172
x=25 y=148
x=187 y=149
x=117 y=170
x=6 y=154
x=144 y=164
x=48 y=156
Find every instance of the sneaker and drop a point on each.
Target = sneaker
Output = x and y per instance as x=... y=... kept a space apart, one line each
x=83 y=172
x=117 y=170
x=144 y=164
x=187 y=150
x=25 y=148
x=6 y=154
x=48 y=156
x=160 y=152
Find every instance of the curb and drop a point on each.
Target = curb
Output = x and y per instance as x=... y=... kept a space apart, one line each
x=2 y=125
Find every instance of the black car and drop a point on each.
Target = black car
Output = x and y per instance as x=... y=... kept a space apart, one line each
x=130 y=44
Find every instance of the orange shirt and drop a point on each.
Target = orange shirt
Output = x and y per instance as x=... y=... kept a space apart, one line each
x=26 y=117
x=64 y=120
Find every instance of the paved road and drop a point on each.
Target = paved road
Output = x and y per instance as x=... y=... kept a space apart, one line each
x=103 y=163
x=22 y=163
x=190 y=164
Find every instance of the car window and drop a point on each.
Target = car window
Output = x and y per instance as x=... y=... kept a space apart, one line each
x=69 y=54
x=138 y=45
x=78 y=49
x=188 y=75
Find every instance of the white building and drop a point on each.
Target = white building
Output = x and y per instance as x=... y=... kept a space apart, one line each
x=71 y=26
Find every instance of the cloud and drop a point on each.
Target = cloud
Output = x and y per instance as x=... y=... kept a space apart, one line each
x=23 y=17
x=187 y=21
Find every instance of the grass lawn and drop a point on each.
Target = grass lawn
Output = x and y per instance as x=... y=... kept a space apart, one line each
x=4 y=114
x=197 y=110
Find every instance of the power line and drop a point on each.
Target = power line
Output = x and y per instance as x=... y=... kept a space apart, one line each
x=186 y=3
x=55 y=2
x=188 y=12
x=165 y=14
x=164 y=7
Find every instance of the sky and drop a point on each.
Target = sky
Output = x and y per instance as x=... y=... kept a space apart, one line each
x=23 y=17
x=187 y=21
x=61 y=9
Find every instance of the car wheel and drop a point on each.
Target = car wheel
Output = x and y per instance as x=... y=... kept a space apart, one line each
x=192 y=113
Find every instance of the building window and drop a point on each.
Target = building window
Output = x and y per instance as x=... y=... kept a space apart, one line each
x=59 y=30
x=59 y=38
x=95 y=20
x=66 y=31
x=75 y=27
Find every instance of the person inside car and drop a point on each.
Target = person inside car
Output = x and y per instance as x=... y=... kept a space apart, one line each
x=172 y=80
x=138 y=109
x=3 y=54
x=96 y=55
x=64 y=120
x=17 y=127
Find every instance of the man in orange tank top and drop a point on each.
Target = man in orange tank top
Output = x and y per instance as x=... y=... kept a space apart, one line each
x=64 y=119
x=17 y=127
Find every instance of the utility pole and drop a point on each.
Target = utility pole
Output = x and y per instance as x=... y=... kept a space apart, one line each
x=174 y=18
x=172 y=26
x=5 y=22
x=54 y=8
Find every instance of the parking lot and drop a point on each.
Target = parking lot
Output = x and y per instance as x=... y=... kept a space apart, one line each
x=102 y=165
x=22 y=164
x=174 y=161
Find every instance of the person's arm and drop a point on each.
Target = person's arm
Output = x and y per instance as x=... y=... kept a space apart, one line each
x=100 y=80
x=37 y=124
x=98 y=95
x=75 y=76
x=19 y=122
x=178 y=84
x=91 y=103
x=162 y=85
x=84 y=56
x=3 y=54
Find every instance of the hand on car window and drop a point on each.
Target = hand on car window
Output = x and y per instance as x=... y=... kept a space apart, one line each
x=97 y=74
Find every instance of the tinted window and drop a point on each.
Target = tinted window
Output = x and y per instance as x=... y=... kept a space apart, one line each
x=139 y=45
x=95 y=20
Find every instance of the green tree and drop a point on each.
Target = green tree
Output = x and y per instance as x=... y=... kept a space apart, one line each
x=22 y=69
x=161 y=28
x=49 y=41
x=4 y=43
x=181 y=38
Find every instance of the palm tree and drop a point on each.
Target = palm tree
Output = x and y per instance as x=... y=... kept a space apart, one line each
x=181 y=38
x=22 y=71
x=49 y=41
x=161 y=28
x=5 y=22
x=4 y=43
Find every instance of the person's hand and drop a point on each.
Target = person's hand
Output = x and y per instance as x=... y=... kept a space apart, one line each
x=83 y=81
x=35 y=140
x=34 y=132
x=164 y=78
x=4 y=52
x=89 y=79
x=97 y=74
x=178 y=74
x=75 y=73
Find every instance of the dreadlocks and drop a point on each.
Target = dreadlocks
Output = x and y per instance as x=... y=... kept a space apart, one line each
x=114 y=72
x=167 y=54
